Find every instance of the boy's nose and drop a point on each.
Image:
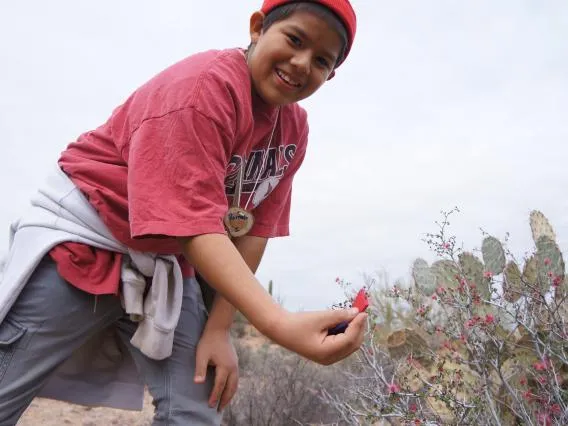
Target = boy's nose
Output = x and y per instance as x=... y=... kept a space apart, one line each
x=301 y=61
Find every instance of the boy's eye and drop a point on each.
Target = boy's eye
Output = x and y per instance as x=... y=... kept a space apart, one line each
x=322 y=62
x=295 y=40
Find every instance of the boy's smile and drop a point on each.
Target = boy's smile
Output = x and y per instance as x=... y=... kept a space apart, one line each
x=293 y=58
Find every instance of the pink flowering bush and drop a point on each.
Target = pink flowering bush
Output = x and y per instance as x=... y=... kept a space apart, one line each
x=480 y=340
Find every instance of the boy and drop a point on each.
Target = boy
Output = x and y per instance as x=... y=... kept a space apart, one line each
x=188 y=178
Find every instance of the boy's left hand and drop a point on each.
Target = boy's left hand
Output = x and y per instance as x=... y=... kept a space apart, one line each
x=216 y=349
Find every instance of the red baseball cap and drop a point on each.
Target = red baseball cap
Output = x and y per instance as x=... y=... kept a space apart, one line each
x=342 y=8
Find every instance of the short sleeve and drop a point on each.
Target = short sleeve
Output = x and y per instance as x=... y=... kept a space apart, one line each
x=272 y=215
x=176 y=171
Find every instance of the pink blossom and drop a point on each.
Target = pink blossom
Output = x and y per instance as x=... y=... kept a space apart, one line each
x=541 y=380
x=556 y=281
x=440 y=290
x=469 y=323
x=489 y=319
x=337 y=279
x=530 y=397
x=488 y=274
x=412 y=408
x=550 y=274
x=543 y=419
x=547 y=261
x=541 y=365
x=472 y=322
x=394 y=388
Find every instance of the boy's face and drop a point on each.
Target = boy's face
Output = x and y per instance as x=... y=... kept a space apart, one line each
x=293 y=58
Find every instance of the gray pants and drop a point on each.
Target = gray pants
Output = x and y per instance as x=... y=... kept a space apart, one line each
x=51 y=319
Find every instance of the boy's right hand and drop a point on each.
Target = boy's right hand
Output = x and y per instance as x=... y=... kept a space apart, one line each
x=218 y=261
x=306 y=333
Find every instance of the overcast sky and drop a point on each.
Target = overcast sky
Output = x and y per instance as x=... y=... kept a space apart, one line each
x=441 y=104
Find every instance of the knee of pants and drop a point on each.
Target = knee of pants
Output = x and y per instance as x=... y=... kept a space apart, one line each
x=178 y=409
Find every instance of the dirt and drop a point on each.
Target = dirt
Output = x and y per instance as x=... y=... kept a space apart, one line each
x=47 y=412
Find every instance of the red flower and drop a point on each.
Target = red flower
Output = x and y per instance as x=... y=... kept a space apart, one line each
x=489 y=319
x=412 y=408
x=488 y=274
x=543 y=419
x=547 y=261
x=529 y=396
x=394 y=388
x=541 y=365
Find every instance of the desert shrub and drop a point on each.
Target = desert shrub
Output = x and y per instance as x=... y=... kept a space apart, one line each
x=280 y=388
x=475 y=340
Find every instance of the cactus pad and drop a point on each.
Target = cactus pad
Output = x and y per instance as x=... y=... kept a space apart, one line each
x=472 y=269
x=493 y=255
x=529 y=276
x=540 y=227
x=550 y=264
x=423 y=277
x=446 y=273
x=512 y=284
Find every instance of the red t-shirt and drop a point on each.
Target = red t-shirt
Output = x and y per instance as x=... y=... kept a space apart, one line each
x=164 y=164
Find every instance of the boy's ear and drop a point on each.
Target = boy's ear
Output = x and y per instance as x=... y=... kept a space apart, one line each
x=256 y=21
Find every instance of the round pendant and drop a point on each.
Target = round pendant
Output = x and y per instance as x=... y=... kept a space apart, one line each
x=238 y=221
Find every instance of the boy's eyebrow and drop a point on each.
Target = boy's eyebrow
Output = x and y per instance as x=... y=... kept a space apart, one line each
x=303 y=34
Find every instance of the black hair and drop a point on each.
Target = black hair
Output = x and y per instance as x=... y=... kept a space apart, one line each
x=286 y=10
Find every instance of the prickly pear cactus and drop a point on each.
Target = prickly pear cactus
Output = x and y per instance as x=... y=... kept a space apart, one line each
x=512 y=284
x=423 y=277
x=550 y=264
x=446 y=273
x=493 y=255
x=472 y=269
x=530 y=276
x=540 y=227
x=402 y=343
